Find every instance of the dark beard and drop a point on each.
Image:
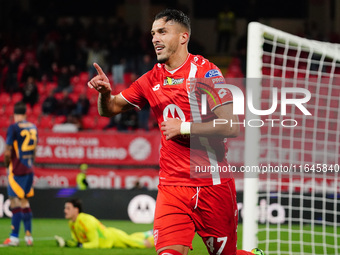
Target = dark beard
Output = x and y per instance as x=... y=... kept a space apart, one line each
x=162 y=60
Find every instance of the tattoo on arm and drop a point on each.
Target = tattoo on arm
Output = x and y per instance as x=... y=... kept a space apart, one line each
x=105 y=105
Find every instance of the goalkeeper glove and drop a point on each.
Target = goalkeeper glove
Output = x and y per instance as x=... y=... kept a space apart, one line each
x=60 y=241
x=72 y=243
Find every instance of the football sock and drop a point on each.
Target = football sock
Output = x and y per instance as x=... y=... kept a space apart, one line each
x=16 y=219
x=27 y=219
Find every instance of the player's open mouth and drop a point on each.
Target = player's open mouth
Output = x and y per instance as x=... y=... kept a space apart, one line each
x=159 y=48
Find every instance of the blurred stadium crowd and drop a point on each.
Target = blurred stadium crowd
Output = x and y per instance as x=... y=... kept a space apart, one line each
x=48 y=62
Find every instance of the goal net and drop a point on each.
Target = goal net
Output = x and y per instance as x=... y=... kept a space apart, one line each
x=295 y=146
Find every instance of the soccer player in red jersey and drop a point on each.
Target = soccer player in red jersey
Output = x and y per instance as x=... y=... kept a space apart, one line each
x=187 y=201
x=21 y=142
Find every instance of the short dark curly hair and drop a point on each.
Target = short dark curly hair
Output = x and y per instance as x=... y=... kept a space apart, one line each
x=20 y=108
x=77 y=203
x=175 y=15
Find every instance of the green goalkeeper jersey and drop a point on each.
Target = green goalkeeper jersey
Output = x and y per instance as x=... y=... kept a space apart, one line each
x=89 y=231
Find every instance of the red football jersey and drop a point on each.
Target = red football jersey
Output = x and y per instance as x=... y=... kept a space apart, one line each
x=185 y=161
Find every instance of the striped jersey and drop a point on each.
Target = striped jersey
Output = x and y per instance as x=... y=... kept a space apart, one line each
x=184 y=160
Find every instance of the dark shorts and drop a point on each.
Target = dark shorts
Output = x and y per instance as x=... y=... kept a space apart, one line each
x=20 y=185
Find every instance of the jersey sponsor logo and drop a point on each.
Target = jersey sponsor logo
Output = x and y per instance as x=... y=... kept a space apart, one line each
x=218 y=80
x=223 y=92
x=212 y=73
x=173 y=111
x=172 y=81
x=156 y=87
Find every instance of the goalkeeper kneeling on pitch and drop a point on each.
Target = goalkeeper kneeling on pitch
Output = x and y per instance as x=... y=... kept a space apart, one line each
x=88 y=232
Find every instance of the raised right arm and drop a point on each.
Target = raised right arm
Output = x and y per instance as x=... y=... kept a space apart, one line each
x=108 y=105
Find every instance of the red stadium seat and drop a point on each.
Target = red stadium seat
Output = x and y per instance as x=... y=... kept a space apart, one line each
x=21 y=68
x=8 y=111
x=88 y=122
x=5 y=98
x=118 y=88
x=110 y=76
x=45 y=122
x=33 y=118
x=84 y=77
x=127 y=78
x=93 y=111
x=2 y=110
x=41 y=89
x=28 y=110
x=90 y=92
x=16 y=97
x=102 y=122
x=59 y=119
x=74 y=79
x=74 y=97
x=5 y=121
x=36 y=111
x=50 y=86
x=79 y=89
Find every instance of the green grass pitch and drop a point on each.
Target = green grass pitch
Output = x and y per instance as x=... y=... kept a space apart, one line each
x=44 y=243
x=45 y=229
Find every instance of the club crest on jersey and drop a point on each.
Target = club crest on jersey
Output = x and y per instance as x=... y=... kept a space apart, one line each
x=212 y=73
x=172 y=81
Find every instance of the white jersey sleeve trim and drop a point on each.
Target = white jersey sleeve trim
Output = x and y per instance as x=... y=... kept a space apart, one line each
x=227 y=102
x=129 y=101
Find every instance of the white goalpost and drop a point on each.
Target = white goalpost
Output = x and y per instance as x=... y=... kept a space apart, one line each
x=291 y=205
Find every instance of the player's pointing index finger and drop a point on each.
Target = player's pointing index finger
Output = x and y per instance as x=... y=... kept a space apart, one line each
x=99 y=69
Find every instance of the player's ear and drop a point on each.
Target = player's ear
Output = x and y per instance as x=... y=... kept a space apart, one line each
x=184 y=37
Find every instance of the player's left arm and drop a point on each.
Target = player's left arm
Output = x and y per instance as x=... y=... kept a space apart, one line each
x=7 y=155
x=93 y=239
x=224 y=128
x=91 y=236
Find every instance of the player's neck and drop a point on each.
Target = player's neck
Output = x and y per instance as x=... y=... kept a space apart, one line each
x=19 y=117
x=176 y=61
x=75 y=218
